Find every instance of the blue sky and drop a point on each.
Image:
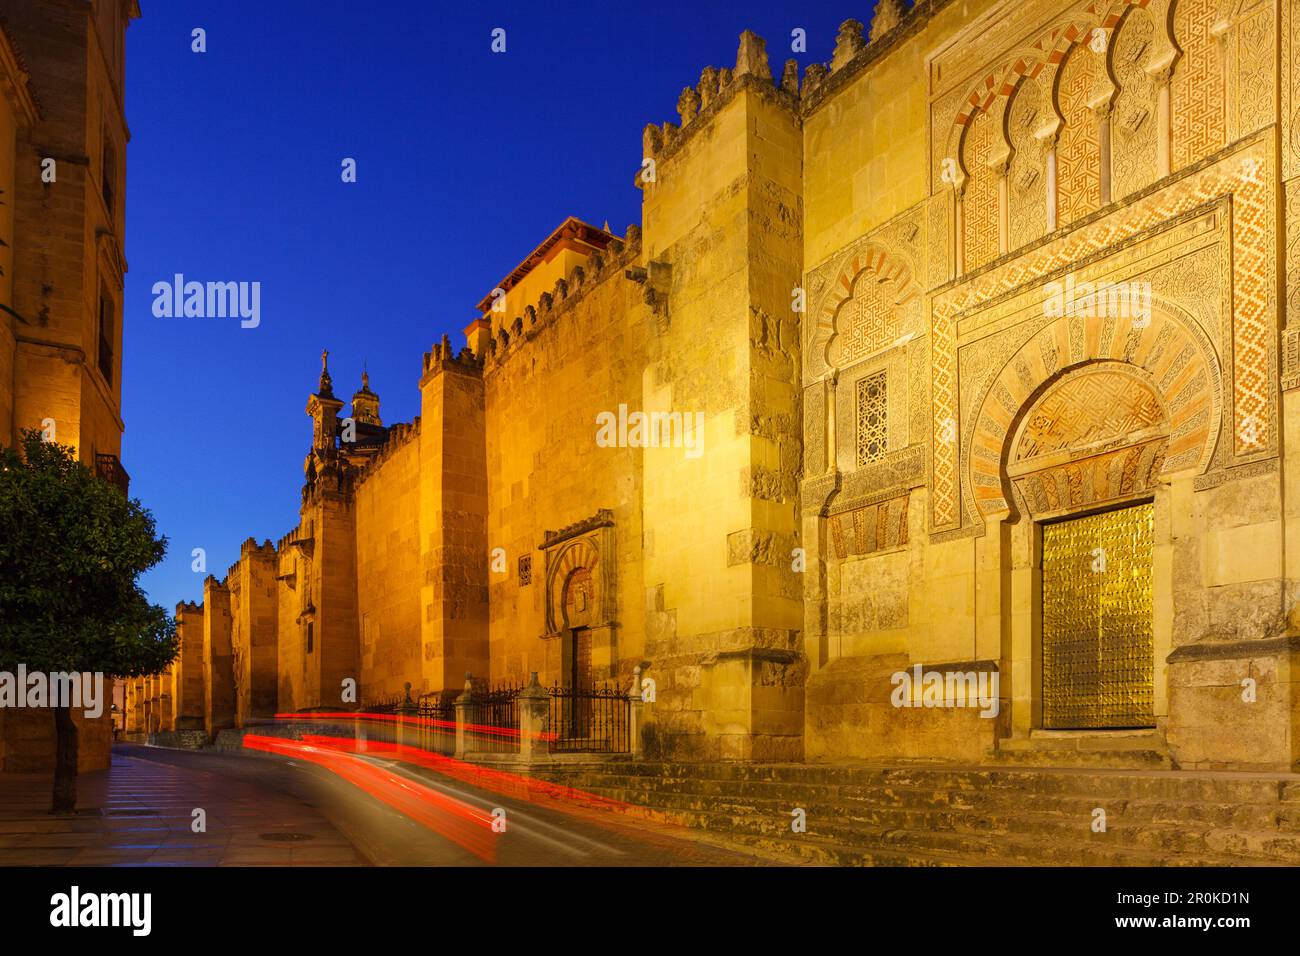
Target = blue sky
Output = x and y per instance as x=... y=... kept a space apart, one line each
x=465 y=161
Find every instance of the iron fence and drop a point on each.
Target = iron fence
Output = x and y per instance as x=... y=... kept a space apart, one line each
x=580 y=719
x=433 y=722
x=589 y=720
x=493 y=721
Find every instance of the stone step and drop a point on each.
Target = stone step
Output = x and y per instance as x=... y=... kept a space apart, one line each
x=1196 y=806
x=842 y=844
x=1030 y=815
x=1249 y=816
x=1100 y=759
x=856 y=823
x=1192 y=787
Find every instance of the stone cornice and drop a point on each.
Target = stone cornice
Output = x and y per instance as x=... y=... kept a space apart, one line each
x=603 y=518
x=1234 y=650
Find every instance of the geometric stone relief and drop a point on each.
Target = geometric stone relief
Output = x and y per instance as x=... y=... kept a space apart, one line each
x=814 y=429
x=1082 y=411
x=939 y=252
x=869 y=323
x=1134 y=132
x=1250 y=43
x=1197 y=87
x=862 y=300
x=1291 y=91
x=1078 y=155
x=1099 y=434
x=1138 y=379
x=871 y=528
x=980 y=193
x=1027 y=172
x=1241 y=173
x=897 y=471
x=872 y=417
x=1099 y=479
x=1291 y=335
x=580 y=574
x=859 y=425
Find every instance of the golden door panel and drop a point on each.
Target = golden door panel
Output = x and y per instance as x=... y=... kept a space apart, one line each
x=1098 y=650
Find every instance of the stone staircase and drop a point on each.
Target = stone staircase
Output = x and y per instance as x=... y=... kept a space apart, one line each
x=968 y=816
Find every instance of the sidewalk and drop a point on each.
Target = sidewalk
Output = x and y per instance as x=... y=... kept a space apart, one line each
x=139 y=813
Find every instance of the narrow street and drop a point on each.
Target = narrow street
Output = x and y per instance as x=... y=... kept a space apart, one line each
x=273 y=811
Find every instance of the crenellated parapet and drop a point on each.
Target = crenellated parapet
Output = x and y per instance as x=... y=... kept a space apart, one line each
x=857 y=46
x=399 y=436
x=188 y=607
x=617 y=256
x=264 y=550
x=698 y=104
x=442 y=357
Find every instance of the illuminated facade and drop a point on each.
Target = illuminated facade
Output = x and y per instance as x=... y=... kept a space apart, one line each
x=988 y=323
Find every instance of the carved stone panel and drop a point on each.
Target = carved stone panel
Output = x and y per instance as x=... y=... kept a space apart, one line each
x=580 y=574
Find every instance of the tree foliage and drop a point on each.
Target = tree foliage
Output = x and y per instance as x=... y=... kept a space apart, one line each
x=72 y=547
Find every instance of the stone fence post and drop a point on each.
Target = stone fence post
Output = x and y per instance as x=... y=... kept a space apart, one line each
x=534 y=704
x=462 y=715
x=635 y=716
x=404 y=711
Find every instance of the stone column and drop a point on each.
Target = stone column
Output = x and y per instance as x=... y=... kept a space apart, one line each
x=832 y=440
x=1103 y=113
x=1164 y=123
x=534 y=707
x=1051 y=186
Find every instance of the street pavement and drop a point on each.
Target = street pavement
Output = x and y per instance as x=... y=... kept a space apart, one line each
x=276 y=811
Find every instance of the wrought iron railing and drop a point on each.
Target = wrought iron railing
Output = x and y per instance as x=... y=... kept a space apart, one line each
x=589 y=720
x=579 y=719
x=493 y=720
x=432 y=724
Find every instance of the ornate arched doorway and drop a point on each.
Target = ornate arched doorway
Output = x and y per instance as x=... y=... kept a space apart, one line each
x=1084 y=462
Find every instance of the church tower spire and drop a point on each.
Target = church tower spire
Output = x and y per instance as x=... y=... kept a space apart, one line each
x=323 y=408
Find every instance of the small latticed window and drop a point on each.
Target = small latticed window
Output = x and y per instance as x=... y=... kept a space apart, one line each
x=525 y=569
x=873 y=418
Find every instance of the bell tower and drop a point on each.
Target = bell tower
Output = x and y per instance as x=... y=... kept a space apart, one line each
x=365 y=403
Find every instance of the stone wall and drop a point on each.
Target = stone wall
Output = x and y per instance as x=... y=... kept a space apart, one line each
x=254 y=631
x=388 y=568
x=929 y=553
x=581 y=356
x=218 y=659
x=849 y=279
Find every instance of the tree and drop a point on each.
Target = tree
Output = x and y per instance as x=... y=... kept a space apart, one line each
x=71 y=549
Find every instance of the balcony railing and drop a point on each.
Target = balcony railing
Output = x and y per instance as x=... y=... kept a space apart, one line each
x=111 y=470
